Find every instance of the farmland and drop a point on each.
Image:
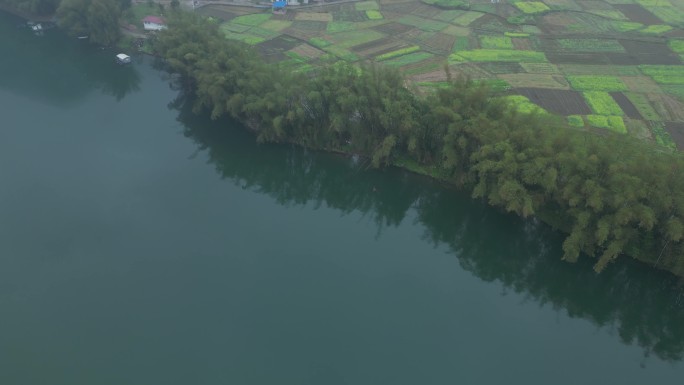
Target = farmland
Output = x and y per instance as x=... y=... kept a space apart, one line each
x=605 y=65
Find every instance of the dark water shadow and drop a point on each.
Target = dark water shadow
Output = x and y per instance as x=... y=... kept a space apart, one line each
x=642 y=306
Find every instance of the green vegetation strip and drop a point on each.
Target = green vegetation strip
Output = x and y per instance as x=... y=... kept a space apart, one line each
x=613 y=123
x=531 y=7
x=591 y=45
x=408 y=59
x=421 y=23
x=496 y=42
x=486 y=55
x=665 y=74
x=251 y=20
x=366 y=6
x=399 y=52
x=602 y=103
x=374 y=15
x=596 y=83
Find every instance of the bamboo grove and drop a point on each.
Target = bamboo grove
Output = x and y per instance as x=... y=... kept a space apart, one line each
x=610 y=193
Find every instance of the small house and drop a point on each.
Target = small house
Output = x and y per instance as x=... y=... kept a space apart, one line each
x=153 y=23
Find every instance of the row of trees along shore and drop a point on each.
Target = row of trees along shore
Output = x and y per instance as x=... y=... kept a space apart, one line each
x=610 y=193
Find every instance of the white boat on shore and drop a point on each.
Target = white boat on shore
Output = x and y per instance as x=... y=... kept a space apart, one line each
x=123 y=58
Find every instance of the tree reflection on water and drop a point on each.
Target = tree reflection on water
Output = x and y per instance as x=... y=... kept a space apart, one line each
x=643 y=305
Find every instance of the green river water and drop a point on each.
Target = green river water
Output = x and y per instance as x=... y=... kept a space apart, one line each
x=143 y=245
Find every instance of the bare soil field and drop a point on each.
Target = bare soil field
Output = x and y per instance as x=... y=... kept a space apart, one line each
x=563 y=102
x=577 y=58
x=626 y=105
x=637 y=13
x=676 y=131
x=637 y=59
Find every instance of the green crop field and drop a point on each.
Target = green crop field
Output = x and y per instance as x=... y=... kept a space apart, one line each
x=602 y=103
x=366 y=6
x=252 y=20
x=423 y=24
x=613 y=123
x=487 y=55
x=373 y=14
x=532 y=6
x=496 y=42
x=408 y=59
x=399 y=52
x=596 y=83
x=664 y=74
x=590 y=45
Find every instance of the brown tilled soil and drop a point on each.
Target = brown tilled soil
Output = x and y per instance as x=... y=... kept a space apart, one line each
x=402 y=8
x=562 y=102
x=645 y=47
x=676 y=130
x=626 y=105
x=440 y=43
x=636 y=12
x=393 y=28
x=426 y=11
x=379 y=47
x=271 y=48
x=617 y=58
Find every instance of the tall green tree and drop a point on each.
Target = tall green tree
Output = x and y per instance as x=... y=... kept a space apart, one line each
x=98 y=19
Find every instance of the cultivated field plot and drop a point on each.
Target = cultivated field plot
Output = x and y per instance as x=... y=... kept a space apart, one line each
x=608 y=64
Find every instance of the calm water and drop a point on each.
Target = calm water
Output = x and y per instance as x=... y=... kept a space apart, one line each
x=140 y=244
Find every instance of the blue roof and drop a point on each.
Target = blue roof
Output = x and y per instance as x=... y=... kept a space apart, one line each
x=279 y=4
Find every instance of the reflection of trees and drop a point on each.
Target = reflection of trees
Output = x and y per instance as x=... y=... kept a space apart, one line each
x=58 y=70
x=642 y=304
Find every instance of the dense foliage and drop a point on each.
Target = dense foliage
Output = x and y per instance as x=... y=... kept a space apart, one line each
x=610 y=193
x=98 y=19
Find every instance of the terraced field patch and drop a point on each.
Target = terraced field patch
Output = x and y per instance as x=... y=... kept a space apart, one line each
x=353 y=38
x=465 y=19
x=596 y=83
x=540 y=68
x=535 y=80
x=485 y=55
x=408 y=59
x=251 y=20
x=496 y=42
x=422 y=24
x=561 y=102
x=531 y=7
x=643 y=105
x=601 y=103
x=590 y=45
x=626 y=105
x=637 y=13
x=664 y=74
x=613 y=123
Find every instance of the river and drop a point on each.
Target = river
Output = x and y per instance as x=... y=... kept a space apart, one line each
x=142 y=244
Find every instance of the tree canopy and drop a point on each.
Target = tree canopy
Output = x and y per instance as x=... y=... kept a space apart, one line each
x=612 y=194
x=98 y=19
